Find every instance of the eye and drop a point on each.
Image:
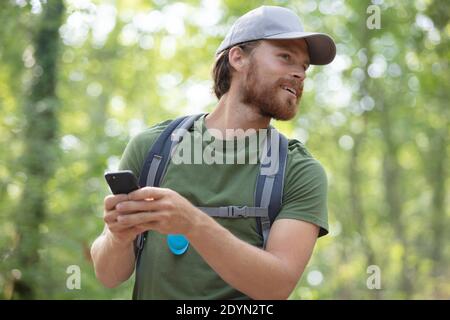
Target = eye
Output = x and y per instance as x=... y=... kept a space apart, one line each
x=286 y=56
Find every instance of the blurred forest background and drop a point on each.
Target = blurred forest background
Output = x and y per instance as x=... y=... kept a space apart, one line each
x=79 y=78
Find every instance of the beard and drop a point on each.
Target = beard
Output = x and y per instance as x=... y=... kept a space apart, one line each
x=266 y=97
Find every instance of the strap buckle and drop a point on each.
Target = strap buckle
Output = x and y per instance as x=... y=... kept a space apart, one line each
x=235 y=211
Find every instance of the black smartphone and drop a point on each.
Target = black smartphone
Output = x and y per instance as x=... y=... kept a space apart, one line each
x=122 y=181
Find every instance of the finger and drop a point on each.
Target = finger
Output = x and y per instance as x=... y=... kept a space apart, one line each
x=119 y=227
x=113 y=199
x=110 y=216
x=139 y=206
x=140 y=228
x=139 y=218
x=147 y=193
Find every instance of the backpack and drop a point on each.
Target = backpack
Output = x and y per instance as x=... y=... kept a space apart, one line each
x=269 y=184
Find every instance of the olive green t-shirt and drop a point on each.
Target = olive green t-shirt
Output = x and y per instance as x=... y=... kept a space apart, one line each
x=163 y=275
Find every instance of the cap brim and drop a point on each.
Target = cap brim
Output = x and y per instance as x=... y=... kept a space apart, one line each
x=321 y=47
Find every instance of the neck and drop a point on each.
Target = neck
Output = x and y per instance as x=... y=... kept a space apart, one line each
x=231 y=113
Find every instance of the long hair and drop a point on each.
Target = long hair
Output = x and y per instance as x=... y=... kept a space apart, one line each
x=222 y=69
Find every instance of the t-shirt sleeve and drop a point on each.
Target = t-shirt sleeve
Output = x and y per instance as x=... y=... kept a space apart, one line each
x=132 y=158
x=305 y=193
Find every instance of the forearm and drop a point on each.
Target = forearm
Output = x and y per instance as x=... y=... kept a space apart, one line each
x=253 y=271
x=113 y=261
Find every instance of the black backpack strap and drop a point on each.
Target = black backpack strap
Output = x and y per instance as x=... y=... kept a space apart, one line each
x=270 y=181
x=156 y=163
x=155 y=160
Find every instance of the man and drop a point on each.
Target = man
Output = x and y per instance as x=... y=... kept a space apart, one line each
x=258 y=75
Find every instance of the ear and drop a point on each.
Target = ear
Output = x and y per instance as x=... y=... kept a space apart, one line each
x=237 y=58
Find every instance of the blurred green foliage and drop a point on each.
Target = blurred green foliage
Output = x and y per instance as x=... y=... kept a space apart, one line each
x=377 y=118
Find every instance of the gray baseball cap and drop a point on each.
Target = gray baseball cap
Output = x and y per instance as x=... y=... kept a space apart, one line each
x=271 y=22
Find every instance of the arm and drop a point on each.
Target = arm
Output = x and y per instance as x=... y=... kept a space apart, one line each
x=270 y=274
x=260 y=274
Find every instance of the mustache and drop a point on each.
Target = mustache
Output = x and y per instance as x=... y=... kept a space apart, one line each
x=295 y=84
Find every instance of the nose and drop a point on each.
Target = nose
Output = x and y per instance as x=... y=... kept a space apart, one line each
x=299 y=73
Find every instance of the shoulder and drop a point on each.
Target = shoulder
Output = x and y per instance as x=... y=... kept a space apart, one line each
x=149 y=134
x=301 y=161
x=142 y=141
x=138 y=147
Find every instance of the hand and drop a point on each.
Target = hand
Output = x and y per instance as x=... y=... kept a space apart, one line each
x=159 y=209
x=118 y=232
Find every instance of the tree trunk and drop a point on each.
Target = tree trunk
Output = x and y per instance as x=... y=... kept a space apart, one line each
x=394 y=200
x=40 y=150
x=358 y=212
x=437 y=160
